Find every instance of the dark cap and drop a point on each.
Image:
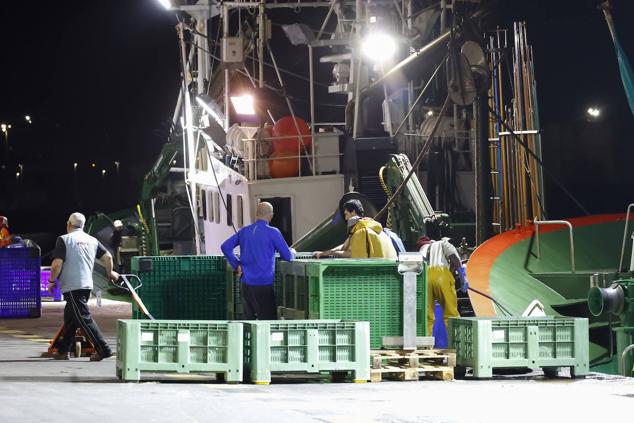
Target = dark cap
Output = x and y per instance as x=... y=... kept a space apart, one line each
x=423 y=240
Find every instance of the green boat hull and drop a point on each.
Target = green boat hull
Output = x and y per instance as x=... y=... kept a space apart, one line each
x=510 y=268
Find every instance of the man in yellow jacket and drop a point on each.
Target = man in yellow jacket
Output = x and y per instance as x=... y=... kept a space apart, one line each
x=443 y=260
x=366 y=237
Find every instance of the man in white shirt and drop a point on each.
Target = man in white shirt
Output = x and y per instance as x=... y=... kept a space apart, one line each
x=443 y=261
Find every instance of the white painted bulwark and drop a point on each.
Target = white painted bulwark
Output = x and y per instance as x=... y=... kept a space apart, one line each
x=217 y=202
x=313 y=198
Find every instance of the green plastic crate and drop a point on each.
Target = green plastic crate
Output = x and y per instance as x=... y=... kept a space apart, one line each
x=179 y=346
x=368 y=290
x=182 y=287
x=306 y=346
x=287 y=280
x=506 y=342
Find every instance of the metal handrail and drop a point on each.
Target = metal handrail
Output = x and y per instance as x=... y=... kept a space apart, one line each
x=622 y=370
x=572 y=241
x=627 y=221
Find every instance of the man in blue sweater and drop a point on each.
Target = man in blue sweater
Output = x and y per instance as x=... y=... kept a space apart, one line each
x=256 y=267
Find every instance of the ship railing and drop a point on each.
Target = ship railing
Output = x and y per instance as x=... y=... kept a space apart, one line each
x=627 y=223
x=325 y=162
x=571 y=240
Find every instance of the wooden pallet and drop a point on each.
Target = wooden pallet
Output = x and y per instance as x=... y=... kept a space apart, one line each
x=411 y=365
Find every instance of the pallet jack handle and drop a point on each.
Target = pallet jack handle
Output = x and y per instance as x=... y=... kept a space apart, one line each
x=124 y=282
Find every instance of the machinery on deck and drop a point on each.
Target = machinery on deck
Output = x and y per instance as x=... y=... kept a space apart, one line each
x=618 y=301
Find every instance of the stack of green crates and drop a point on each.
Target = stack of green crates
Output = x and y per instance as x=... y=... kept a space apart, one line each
x=182 y=287
x=306 y=346
x=518 y=342
x=160 y=346
x=368 y=290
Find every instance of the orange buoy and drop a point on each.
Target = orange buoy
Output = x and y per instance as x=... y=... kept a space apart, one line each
x=285 y=127
x=281 y=167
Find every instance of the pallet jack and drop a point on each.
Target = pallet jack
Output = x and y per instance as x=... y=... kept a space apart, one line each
x=82 y=345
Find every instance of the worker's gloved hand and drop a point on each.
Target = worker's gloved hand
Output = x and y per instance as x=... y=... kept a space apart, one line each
x=462 y=271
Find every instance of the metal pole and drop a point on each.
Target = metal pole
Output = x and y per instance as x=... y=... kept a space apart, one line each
x=323 y=26
x=410 y=85
x=622 y=361
x=201 y=28
x=387 y=104
x=225 y=33
x=188 y=136
x=627 y=221
x=357 y=90
x=312 y=103
x=261 y=36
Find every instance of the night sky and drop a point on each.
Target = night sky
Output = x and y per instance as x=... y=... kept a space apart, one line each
x=100 y=81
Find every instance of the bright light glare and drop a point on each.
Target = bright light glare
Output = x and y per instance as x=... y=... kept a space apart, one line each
x=166 y=4
x=378 y=46
x=27 y=118
x=430 y=113
x=594 y=112
x=211 y=112
x=243 y=104
x=4 y=127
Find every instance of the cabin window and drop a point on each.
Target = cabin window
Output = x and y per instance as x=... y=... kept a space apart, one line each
x=240 y=207
x=216 y=207
x=210 y=206
x=202 y=204
x=229 y=210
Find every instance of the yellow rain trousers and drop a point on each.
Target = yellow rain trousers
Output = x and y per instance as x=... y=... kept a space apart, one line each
x=440 y=288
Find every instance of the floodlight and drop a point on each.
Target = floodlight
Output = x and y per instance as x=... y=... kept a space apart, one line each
x=243 y=104
x=594 y=112
x=167 y=4
x=378 y=46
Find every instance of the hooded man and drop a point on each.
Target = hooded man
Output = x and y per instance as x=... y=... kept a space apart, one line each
x=366 y=236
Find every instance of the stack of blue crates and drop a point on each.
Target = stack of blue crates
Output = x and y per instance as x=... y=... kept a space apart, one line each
x=20 y=282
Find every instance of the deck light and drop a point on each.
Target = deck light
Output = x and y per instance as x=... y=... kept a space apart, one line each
x=378 y=46
x=166 y=4
x=243 y=104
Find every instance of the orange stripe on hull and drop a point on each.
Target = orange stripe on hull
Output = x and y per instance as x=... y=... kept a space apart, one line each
x=483 y=258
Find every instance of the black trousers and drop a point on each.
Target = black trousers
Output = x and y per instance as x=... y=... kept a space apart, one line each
x=258 y=302
x=77 y=315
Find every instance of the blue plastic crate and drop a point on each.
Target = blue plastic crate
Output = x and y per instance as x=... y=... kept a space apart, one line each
x=45 y=275
x=20 y=282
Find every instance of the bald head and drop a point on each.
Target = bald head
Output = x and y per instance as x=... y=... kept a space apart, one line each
x=264 y=211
